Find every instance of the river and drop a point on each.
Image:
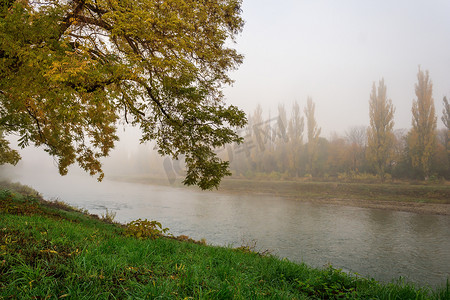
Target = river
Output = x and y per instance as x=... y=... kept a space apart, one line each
x=374 y=243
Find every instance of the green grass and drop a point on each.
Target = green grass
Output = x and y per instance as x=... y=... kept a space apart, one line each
x=52 y=251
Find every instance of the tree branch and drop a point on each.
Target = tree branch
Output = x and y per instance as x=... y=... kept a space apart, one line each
x=66 y=22
x=158 y=103
x=41 y=135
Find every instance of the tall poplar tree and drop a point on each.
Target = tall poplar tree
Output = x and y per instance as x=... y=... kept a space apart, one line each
x=281 y=139
x=313 y=134
x=446 y=114
x=295 y=134
x=446 y=120
x=422 y=137
x=380 y=133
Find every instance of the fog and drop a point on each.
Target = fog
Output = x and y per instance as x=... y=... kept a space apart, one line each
x=334 y=50
x=128 y=158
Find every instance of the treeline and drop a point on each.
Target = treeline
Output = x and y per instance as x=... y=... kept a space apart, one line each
x=289 y=145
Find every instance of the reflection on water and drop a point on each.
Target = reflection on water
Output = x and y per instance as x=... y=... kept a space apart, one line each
x=379 y=243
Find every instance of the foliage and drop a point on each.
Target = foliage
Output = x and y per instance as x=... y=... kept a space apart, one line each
x=71 y=70
x=269 y=154
x=361 y=177
x=446 y=114
x=7 y=155
x=446 y=121
x=250 y=247
x=313 y=134
x=296 y=127
x=380 y=133
x=108 y=216
x=19 y=188
x=142 y=229
x=333 y=285
x=356 y=137
x=422 y=137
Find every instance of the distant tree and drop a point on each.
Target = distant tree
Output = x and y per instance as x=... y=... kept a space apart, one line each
x=401 y=166
x=257 y=143
x=422 y=137
x=440 y=161
x=446 y=113
x=380 y=135
x=280 y=136
x=295 y=133
x=446 y=120
x=71 y=69
x=339 y=158
x=357 y=140
x=313 y=134
x=323 y=150
x=241 y=155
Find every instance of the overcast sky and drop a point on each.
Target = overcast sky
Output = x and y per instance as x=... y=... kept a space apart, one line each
x=334 y=50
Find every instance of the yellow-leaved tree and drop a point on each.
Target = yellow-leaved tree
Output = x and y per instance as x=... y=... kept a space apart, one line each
x=446 y=120
x=70 y=70
x=380 y=134
x=422 y=137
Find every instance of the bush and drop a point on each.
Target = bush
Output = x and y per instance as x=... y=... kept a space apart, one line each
x=142 y=229
x=353 y=176
x=19 y=188
x=108 y=216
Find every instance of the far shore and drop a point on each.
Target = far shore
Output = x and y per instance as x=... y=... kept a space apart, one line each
x=419 y=208
x=415 y=198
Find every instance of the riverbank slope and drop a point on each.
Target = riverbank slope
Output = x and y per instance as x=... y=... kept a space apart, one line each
x=50 y=250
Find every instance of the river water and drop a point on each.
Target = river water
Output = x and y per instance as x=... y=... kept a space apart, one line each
x=374 y=243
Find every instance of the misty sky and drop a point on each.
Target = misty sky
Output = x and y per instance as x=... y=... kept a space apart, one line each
x=334 y=50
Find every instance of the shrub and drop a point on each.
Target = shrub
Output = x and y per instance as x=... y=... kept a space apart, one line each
x=142 y=229
x=19 y=188
x=108 y=216
x=331 y=284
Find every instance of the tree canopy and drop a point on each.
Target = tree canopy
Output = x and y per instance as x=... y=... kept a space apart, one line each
x=380 y=134
x=422 y=137
x=313 y=133
x=72 y=69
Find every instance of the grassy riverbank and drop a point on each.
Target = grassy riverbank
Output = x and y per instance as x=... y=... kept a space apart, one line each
x=49 y=251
